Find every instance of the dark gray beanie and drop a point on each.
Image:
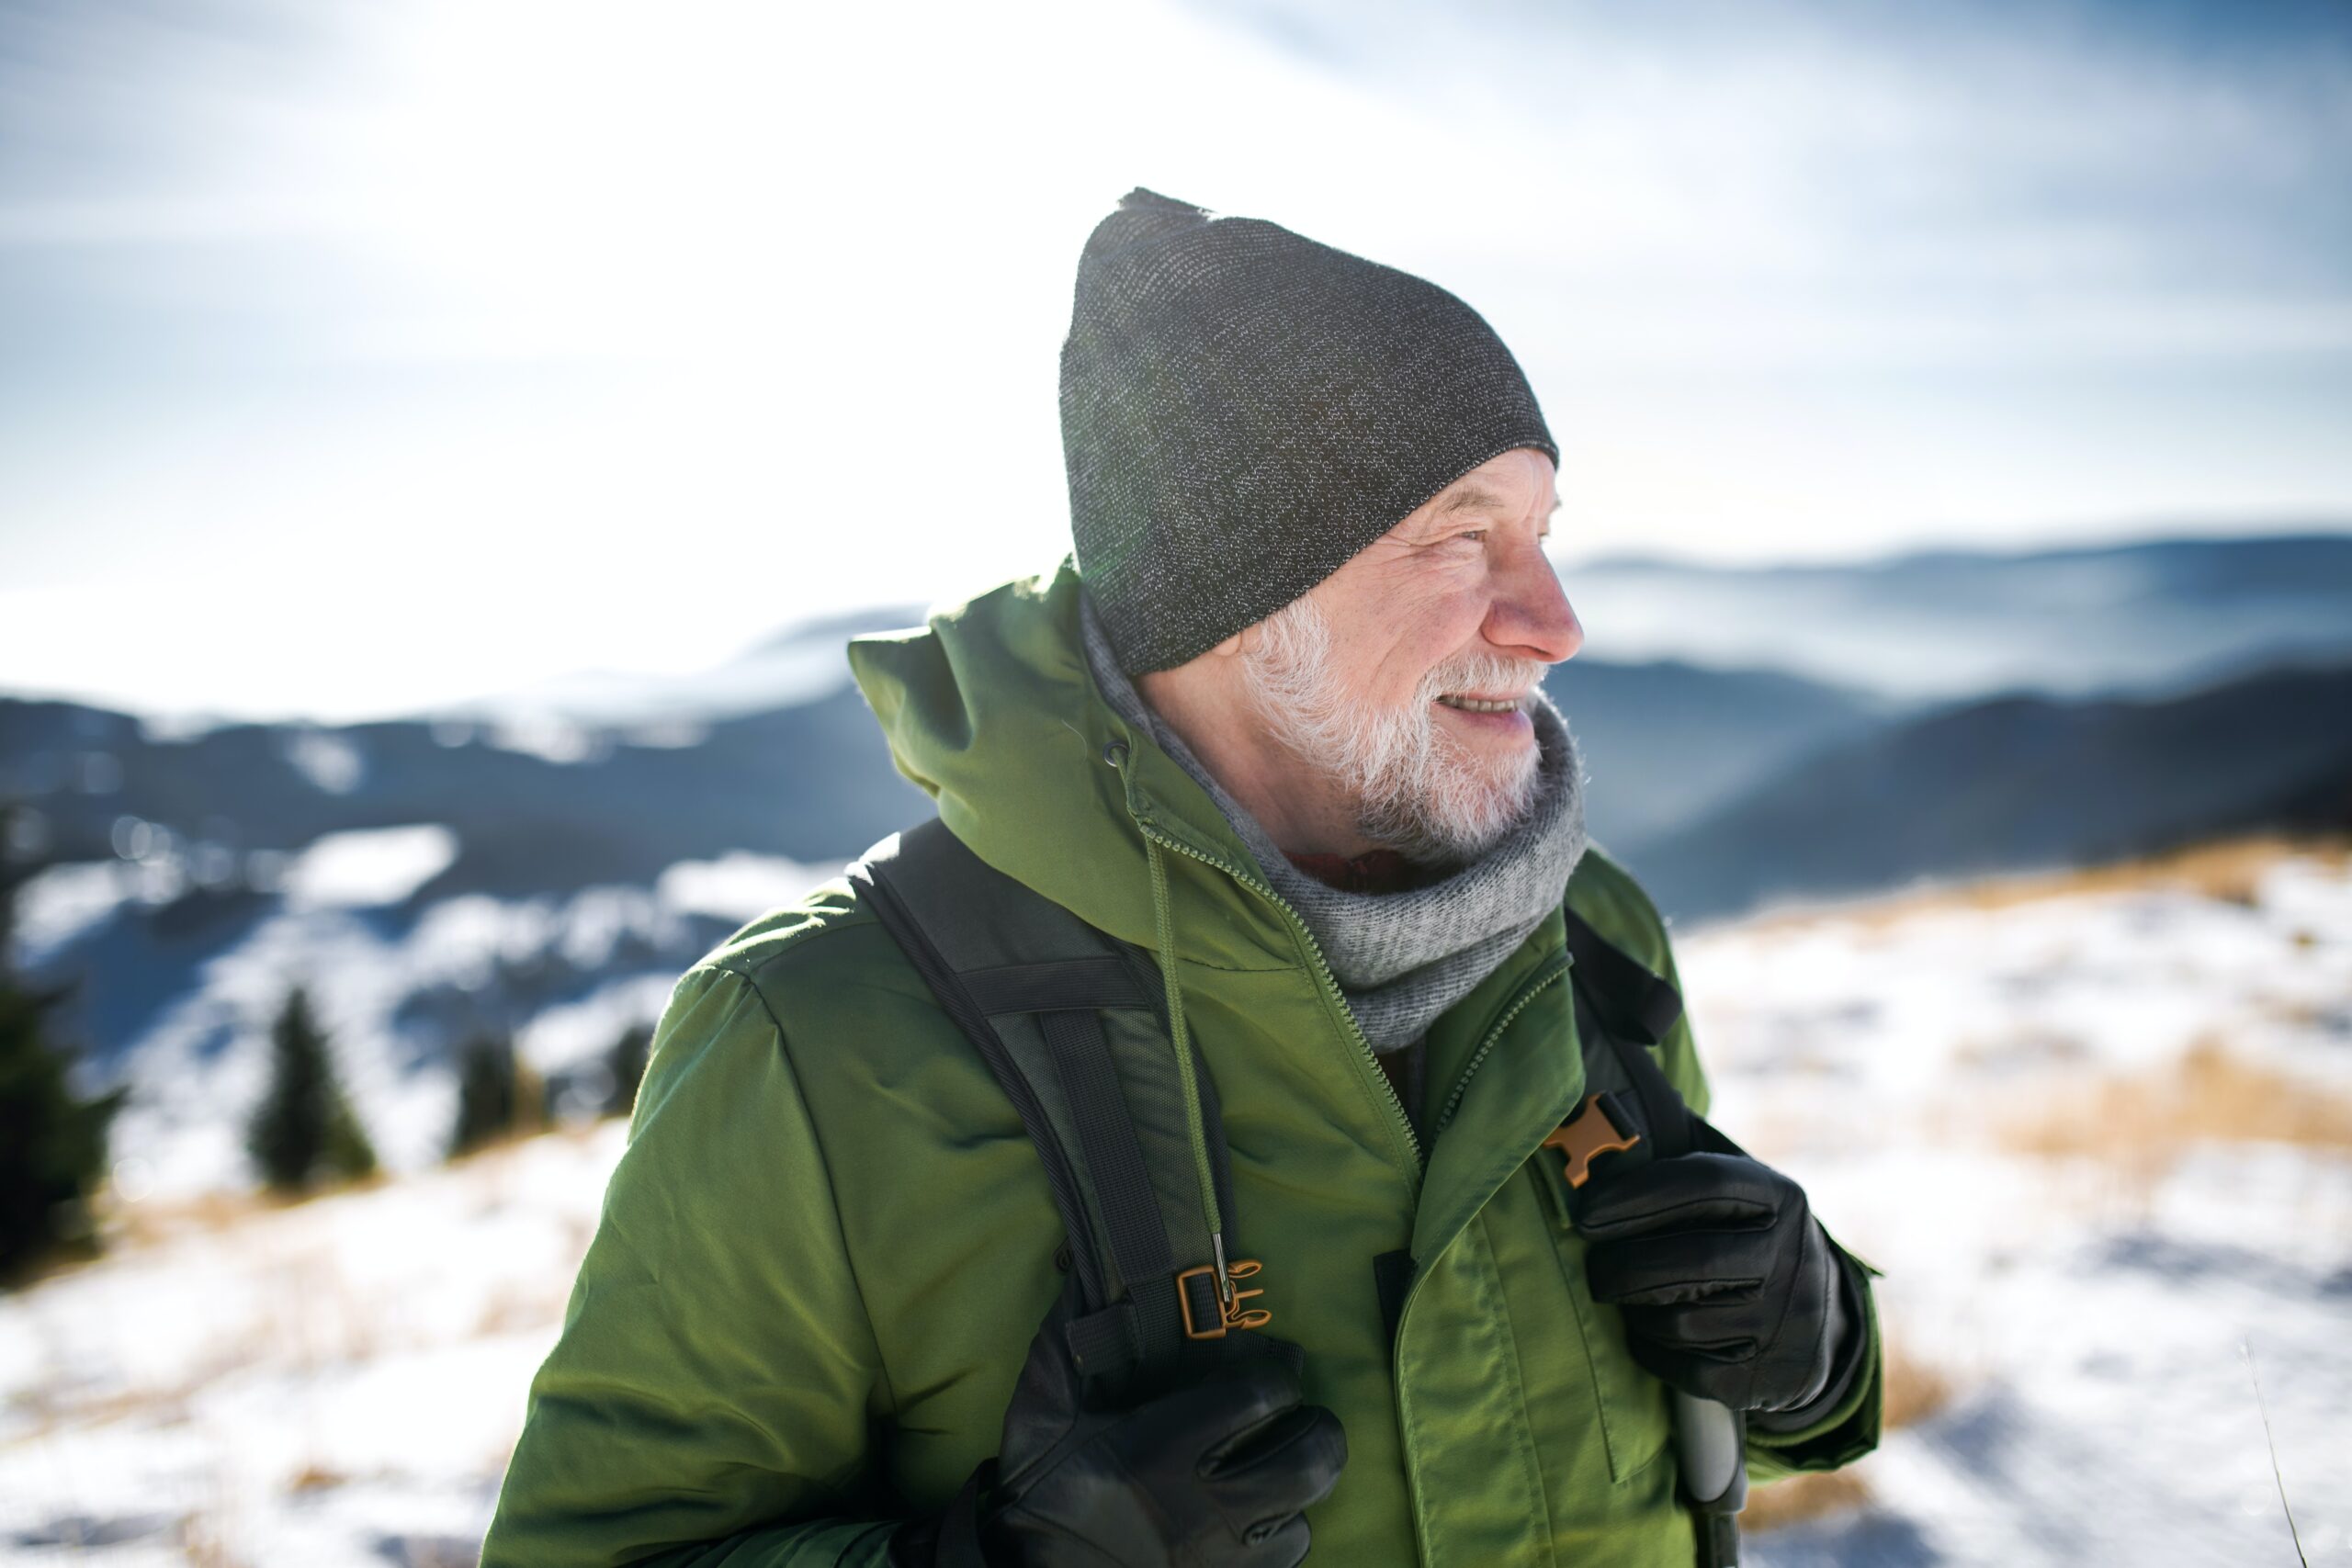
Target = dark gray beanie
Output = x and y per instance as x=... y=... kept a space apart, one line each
x=1244 y=409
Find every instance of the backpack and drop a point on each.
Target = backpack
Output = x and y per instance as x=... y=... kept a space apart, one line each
x=1070 y=1022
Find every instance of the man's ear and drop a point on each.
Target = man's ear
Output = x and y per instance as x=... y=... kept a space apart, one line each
x=1241 y=641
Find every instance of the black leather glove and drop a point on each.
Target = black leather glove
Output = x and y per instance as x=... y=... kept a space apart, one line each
x=1214 y=1474
x=1730 y=1289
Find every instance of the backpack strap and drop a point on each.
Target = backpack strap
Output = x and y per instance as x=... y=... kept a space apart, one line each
x=1630 y=999
x=1623 y=1012
x=1066 y=1018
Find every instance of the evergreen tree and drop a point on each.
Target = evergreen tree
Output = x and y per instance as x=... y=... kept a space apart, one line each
x=349 y=1155
x=497 y=1096
x=304 y=1130
x=626 y=1062
x=53 y=1143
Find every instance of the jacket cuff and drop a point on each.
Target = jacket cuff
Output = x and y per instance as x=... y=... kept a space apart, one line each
x=1844 y=1428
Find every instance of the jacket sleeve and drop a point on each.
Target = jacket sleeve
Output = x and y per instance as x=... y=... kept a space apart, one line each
x=710 y=1397
x=1850 y=1429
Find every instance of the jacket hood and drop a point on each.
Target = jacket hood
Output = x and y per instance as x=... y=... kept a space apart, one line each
x=990 y=709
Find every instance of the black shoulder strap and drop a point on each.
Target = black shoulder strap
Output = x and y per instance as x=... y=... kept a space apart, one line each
x=1622 y=1011
x=1032 y=985
x=1631 y=1000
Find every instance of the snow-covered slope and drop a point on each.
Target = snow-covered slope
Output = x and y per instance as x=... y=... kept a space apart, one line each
x=394 y=979
x=2097 y=1138
x=334 y=1383
x=2100 y=1142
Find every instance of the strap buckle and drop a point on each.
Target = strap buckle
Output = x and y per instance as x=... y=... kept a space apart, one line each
x=1230 y=1313
x=1598 y=1127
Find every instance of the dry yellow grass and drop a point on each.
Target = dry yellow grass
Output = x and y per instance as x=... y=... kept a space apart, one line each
x=315 y=1477
x=2142 y=1123
x=201 y=1542
x=1913 y=1390
x=1802 y=1497
x=513 y=1308
x=2228 y=868
x=150 y=1222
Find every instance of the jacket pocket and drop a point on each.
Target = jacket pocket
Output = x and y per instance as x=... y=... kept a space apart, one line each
x=1636 y=1412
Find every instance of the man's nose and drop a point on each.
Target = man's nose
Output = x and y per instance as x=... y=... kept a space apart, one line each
x=1530 y=616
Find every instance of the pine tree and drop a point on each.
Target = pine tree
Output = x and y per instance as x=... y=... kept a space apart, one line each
x=497 y=1096
x=304 y=1130
x=626 y=1062
x=349 y=1155
x=53 y=1143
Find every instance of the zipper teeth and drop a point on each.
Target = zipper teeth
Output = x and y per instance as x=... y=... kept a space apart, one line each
x=1518 y=1006
x=1322 y=967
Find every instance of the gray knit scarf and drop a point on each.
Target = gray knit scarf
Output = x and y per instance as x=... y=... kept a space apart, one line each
x=1402 y=958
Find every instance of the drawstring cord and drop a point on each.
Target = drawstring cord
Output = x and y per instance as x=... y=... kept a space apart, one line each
x=1164 y=925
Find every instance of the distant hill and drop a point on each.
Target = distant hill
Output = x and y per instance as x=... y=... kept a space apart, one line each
x=552 y=810
x=796 y=665
x=1666 y=742
x=811 y=782
x=2017 y=782
x=2129 y=620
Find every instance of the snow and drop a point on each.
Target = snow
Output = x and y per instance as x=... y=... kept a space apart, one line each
x=2091 y=1318
x=339 y=1382
x=331 y=760
x=55 y=908
x=547 y=737
x=202 y=1063
x=565 y=975
x=367 y=867
x=737 y=886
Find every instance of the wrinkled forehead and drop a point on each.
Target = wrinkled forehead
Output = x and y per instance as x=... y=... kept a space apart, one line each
x=1482 y=494
x=1471 y=495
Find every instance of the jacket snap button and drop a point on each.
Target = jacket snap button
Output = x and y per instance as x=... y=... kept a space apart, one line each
x=1115 y=753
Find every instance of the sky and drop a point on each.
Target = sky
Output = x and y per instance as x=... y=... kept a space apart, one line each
x=359 y=358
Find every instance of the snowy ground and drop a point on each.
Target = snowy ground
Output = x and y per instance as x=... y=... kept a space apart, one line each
x=2086 y=1310
x=339 y=1383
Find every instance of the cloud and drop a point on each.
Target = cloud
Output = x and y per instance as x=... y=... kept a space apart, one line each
x=314 y=303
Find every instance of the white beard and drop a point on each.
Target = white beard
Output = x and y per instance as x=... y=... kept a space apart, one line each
x=1415 y=789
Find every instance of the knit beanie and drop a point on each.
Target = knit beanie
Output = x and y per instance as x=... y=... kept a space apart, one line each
x=1244 y=409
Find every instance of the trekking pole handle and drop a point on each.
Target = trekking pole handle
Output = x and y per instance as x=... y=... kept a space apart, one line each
x=1709 y=1440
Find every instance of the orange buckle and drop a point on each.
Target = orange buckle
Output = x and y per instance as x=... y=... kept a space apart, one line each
x=1233 y=1315
x=1586 y=1136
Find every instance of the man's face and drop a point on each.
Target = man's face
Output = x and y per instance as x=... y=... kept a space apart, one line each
x=1403 y=679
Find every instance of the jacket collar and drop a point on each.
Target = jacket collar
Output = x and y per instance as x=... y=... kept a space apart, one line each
x=991 y=710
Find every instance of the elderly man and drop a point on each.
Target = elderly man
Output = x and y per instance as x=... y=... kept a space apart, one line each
x=918 y=1255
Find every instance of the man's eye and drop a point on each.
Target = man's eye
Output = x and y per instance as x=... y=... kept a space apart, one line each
x=1474 y=534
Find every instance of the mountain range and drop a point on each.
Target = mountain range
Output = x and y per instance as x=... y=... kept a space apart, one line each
x=2146 y=616
x=2017 y=782
x=548 y=862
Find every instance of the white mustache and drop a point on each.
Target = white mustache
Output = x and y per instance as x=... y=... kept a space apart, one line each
x=1482 y=672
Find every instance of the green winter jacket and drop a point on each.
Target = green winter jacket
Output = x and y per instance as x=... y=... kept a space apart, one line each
x=824 y=1255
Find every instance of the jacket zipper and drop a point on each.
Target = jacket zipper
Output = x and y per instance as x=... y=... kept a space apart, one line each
x=1527 y=994
x=1322 y=969
x=1533 y=988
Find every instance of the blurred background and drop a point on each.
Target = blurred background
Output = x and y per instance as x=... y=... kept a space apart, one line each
x=444 y=448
